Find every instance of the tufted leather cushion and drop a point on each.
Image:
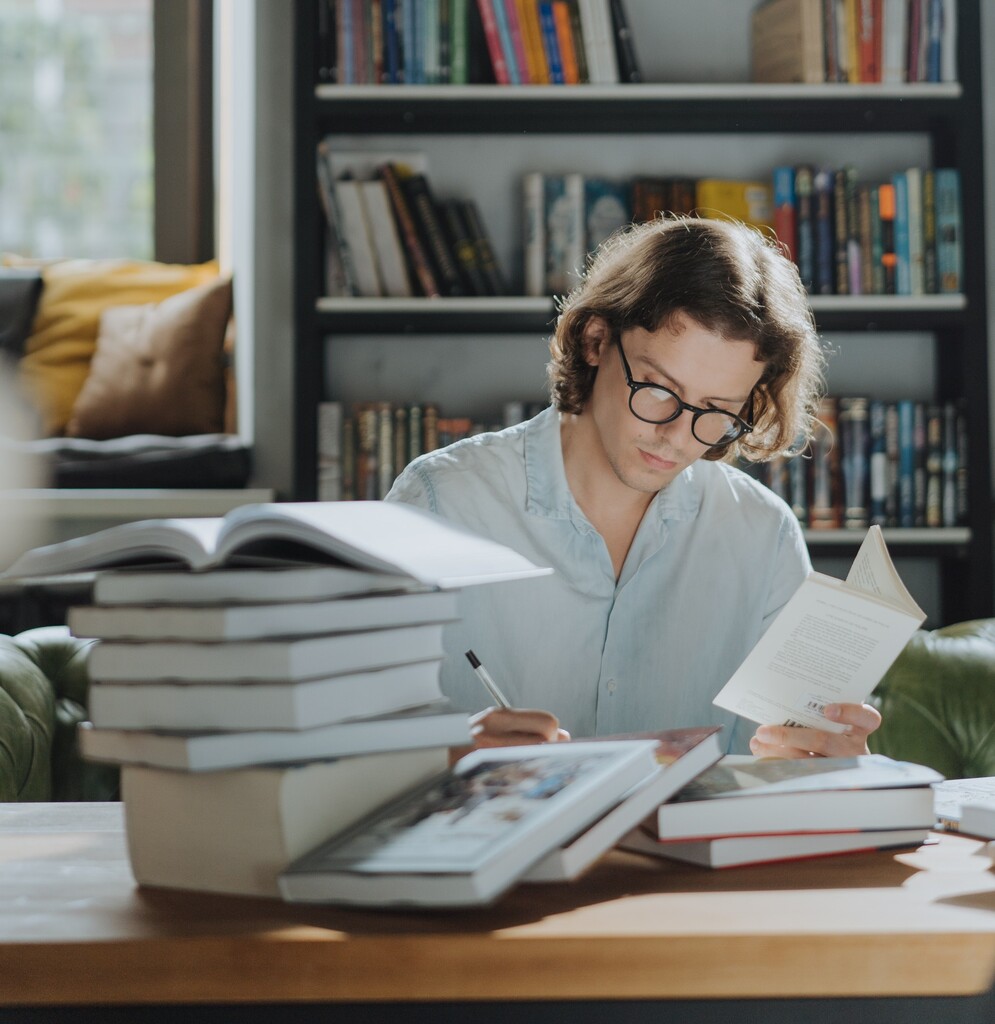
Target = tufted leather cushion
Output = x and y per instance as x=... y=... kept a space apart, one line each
x=43 y=696
x=938 y=701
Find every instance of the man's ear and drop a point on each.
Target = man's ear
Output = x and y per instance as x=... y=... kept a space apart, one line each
x=596 y=337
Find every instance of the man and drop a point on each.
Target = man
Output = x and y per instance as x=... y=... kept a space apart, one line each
x=688 y=343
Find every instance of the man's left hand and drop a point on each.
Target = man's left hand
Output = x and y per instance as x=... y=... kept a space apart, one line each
x=799 y=741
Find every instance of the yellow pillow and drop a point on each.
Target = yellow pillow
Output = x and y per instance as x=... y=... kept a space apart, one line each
x=57 y=354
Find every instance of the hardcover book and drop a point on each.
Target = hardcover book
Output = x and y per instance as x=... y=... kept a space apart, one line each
x=469 y=834
x=235 y=831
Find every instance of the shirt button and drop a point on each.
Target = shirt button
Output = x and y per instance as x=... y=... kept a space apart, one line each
x=612 y=685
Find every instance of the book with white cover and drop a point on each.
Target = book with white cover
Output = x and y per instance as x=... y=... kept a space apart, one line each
x=167 y=584
x=465 y=837
x=831 y=642
x=235 y=831
x=430 y=725
x=738 y=851
x=240 y=705
x=383 y=536
x=681 y=754
x=259 y=621
x=747 y=795
x=955 y=799
x=308 y=657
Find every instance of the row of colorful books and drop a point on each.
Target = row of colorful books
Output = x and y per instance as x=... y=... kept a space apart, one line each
x=891 y=463
x=459 y=42
x=855 y=41
x=280 y=731
x=387 y=234
x=902 y=236
x=362 y=448
x=848 y=237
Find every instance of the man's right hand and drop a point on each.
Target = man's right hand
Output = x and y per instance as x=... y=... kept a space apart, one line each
x=511 y=727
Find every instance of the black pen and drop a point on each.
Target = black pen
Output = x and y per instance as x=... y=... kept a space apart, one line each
x=485 y=677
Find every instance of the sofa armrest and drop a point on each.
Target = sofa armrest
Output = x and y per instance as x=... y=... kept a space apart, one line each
x=938 y=701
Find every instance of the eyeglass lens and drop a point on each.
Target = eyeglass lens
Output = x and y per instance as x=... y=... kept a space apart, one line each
x=657 y=405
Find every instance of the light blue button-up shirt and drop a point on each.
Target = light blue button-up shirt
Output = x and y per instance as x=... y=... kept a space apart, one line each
x=714 y=559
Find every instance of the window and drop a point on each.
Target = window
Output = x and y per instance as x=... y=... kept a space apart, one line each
x=76 y=130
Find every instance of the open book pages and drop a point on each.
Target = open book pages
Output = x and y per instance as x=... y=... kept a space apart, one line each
x=832 y=642
x=379 y=536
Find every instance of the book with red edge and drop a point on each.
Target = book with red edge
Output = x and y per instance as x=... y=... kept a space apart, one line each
x=741 y=851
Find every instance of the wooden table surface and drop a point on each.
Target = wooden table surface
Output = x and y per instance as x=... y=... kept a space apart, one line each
x=74 y=928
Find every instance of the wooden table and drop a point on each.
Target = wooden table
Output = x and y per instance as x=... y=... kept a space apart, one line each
x=76 y=931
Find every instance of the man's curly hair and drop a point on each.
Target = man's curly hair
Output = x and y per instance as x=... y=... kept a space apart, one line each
x=727 y=277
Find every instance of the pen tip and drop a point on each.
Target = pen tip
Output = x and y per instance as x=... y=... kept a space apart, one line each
x=472 y=658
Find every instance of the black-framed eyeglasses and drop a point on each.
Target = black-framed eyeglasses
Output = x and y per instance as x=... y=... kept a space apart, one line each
x=654 y=403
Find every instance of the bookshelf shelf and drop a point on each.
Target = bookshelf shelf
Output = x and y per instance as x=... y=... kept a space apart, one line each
x=697 y=108
x=513 y=129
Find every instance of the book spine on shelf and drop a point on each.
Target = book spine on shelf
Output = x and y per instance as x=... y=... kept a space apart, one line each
x=892 y=444
x=517 y=38
x=534 y=233
x=878 y=500
x=551 y=45
x=931 y=279
x=865 y=239
x=577 y=34
x=535 y=54
x=462 y=247
x=421 y=201
x=853 y=423
x=495 y=49
x=414 y=250
x=917 y=273
x=386 y=241
x=840 y=233
x=805 y=226
x=625 y=47
x=785 y=211
x=934 y=466
x=894 y=29
x=889 y=258
x=906 y=463
x=356 y=230
x=825 y=507
x=459 y=42
x=949 y=257
x=506 y=42
x=486 y=258
x=329 y=451
x=565 y=41
x=903 y=259
x=920 y=477
x=877 y=242
x=822 y=188
x=854 y=257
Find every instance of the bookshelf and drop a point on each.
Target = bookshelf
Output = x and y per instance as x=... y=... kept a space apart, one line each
x=932 y=347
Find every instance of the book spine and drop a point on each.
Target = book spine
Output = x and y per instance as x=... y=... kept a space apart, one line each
x=492 y=36
x=462 y=247
x=534 y=233
x=393 y=69
x=329 y=451
x=917 y=275
x=418 y=193
x=889 y=258
x=517 y=38
x=893 y=41
x=854 y=430
x=327 y=53
x=869 y=70
x=348 y=458
x=445 y=39
x=920 y=478
x=551 y=45
x=417 y=257
x=825 y=508
x=931 y=279
x=934 y=40
x=340 y=278
x=877 y=242
x=840 y=233
x=376 y=42
x=528 y=19
x=822 y=186
x=400 y=439
x=903 y=265
x=906 y=463
x=606 y=210
x=430 y=428
x=948 y=42
x=891 y=441
x=367 y=451
x=416 y=433
x=878 y=482
x=934 y=466
x=459 y=42
x=625 y=49
x=805 y=226
x=386 y=241
x=385 y=449
x=577 y=32
x=565 y=41
x=854 y=263
x=949 y=258
x=506 y=42
x=785 y=215
x=949 y=487
x=962 y=453
x=356 y=231
x=865 y=240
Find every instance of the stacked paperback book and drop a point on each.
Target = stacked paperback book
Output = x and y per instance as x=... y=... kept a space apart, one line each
x=746 y=810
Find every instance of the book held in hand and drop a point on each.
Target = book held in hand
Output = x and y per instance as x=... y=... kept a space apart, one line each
x=681 y=754
x=831 y=642
x=430 y=725
x=466 y=836
x=743 y=795
x=388 y=537
x=235 y=831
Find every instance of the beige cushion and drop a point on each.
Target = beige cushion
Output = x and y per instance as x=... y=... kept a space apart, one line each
x=158 y=368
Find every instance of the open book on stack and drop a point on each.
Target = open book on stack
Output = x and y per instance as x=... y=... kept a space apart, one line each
x=266 y=678
x=747 y=810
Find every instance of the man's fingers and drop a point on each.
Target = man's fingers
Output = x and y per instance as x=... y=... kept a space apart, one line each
x=503 y=727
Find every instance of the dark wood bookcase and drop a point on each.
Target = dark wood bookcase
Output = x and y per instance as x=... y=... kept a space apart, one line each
x=948 y=117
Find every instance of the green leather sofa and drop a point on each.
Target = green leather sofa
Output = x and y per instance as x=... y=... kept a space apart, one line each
x=937 y=700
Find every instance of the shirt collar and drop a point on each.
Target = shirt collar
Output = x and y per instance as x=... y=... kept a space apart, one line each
x=547 y=491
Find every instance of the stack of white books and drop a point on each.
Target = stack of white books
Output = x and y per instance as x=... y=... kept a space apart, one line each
x=273 y=678
x=746 y=810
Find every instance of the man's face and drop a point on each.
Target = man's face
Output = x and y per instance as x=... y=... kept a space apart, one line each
x=703 y=368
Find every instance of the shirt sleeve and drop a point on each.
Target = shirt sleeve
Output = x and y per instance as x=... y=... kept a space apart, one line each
x=412 y=487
